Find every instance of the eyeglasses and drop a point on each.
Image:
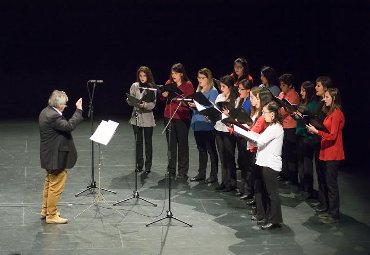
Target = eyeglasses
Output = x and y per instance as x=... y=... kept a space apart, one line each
x=201 y=78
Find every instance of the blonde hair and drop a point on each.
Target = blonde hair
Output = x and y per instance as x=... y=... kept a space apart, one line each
x=58 y=98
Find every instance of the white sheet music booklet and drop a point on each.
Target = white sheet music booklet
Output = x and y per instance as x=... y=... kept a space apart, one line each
x=104 y=132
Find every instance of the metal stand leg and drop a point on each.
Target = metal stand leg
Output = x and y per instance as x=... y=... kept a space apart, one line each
x=99 y=198
x=135 y=194
x=169 y=214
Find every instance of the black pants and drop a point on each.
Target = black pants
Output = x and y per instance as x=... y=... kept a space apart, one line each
x=289 y=155
x=331 y=191
x=148 y=135
x=206 y=144
x=270 y=196
x=178 y=146
x=305 y=153
x=259 y=189
x=226 y=151
x=244 y=163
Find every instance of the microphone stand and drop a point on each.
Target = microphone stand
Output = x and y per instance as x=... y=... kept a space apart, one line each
x=135 y=193
x=92 y=186
x=169 y=214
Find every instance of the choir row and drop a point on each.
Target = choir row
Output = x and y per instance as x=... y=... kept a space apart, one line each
x=282 y=142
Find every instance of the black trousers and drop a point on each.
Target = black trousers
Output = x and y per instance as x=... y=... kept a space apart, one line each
x=178 y=146
x=148 y=135
x=305 y=154
x=259 y=190
x=206 y=145
x=226 y=151
x=270 y=196
x=289 y=155
x=244 y=163
x=331 y=191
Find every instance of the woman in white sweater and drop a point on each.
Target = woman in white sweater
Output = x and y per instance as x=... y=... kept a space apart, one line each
x=270 y=143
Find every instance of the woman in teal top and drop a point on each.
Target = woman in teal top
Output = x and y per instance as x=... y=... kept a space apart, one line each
x=305 y=142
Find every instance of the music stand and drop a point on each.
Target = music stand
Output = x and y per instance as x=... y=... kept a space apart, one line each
x=92 y=186
x=135 y=193
x=101 y=136
x=169 y=214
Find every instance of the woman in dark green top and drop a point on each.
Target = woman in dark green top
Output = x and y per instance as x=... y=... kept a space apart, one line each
x=305 y=143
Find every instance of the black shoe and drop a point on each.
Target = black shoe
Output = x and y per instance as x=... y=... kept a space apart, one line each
x=250 y=202
x=220 y=187
x=245 y=197
x=329 y=220
x=171 y=175
x=182 y=177
x=316 y=204
x=197 y=179
x=147 y=171
x=238 y=194
x=302 y=196
x=138 y=170
x=321 y=209
x=252 y=212
x=259 y=221
x=228 y=189
x=254 y=217
x=270 y=226
x=211 y=180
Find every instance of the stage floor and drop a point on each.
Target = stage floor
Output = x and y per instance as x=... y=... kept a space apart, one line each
x=221 y=224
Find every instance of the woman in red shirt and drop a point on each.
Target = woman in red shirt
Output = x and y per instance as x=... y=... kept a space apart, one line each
x=331 y=152
x=178 y=130
x=289 y=156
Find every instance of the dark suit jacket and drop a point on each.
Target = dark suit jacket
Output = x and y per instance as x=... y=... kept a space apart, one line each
x=57 y=150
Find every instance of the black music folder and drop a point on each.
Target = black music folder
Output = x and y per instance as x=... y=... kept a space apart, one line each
x=133 y=101
x=308 y=119
x=172 y=89
x=200 y=98
x=318 y=125
x=212 y=113
x=148 y=97
x=240 y=115
x=224 y=105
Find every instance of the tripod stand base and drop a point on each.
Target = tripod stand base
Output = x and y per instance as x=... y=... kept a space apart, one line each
x=136 y=196
x=93 y=186
x=169 y=215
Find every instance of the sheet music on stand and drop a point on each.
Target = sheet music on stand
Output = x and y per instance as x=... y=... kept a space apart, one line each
x=102 y=136
x=104 y=132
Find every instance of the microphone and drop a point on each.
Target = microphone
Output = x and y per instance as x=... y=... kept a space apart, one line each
x=95 y=81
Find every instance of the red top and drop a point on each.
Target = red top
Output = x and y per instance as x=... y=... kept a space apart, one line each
x=332 y=143
x=293 y=97
x=258 y=127
x=183 y=112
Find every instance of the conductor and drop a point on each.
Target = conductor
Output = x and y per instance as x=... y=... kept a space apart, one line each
x=57 y=151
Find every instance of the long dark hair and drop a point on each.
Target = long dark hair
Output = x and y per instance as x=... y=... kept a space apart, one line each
x=274 y=107
x=245 y=65
x=149 y=75
x=309 y=87
x=229 y=82
x=336 y=101
x=265 y=97
x=179 y=68
x=270 y=75
x=246 y=84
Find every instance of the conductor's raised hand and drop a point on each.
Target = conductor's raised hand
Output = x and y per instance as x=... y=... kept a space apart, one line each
x=79 y=104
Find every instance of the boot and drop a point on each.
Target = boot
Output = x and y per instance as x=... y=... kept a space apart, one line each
x=55 y=219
